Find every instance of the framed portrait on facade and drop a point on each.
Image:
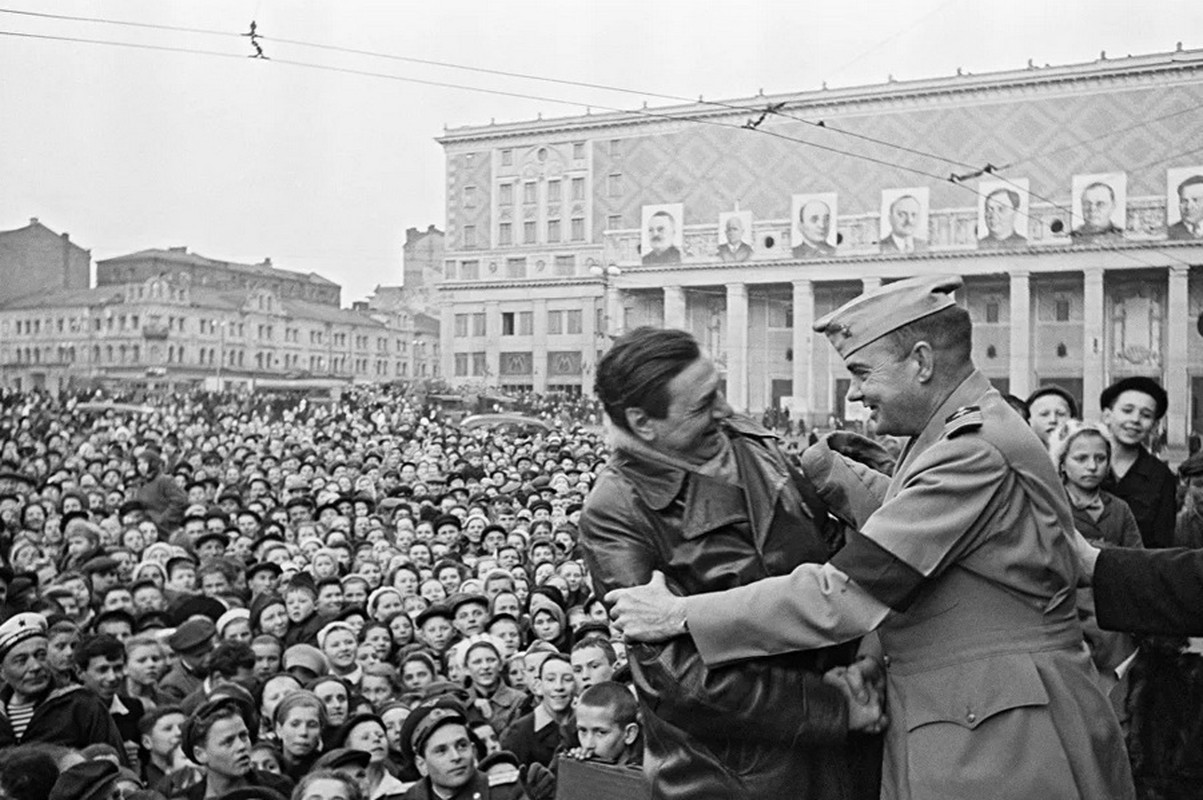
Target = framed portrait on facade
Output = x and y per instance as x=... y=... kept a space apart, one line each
x=734 y=236
x=1100 y=205
x=813 y=225
x=903 y=224
x=1184 y=203
x=1002 y=214
x=663 y=233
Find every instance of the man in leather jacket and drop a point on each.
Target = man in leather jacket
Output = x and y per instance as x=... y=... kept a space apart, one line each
x=707 y=499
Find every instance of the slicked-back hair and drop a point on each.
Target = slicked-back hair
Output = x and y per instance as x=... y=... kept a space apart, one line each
x=636 y=371
x=948 y=331
x=613 y=696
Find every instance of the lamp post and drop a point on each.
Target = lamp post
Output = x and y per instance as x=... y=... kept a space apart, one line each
x=607 y=274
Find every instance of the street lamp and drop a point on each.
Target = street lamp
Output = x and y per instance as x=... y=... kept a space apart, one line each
x=607 y=274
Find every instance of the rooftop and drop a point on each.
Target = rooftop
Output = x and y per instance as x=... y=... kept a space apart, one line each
x=181 y=256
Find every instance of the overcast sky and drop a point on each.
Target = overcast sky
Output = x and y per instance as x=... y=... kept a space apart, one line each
x=241 y=159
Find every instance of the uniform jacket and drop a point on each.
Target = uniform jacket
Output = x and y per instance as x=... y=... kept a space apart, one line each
x=481 y=787
x=1150 y=490
x=741 y=252
x=1150 y=591
x=990 y=691
x=761 y=729
x=70 y=716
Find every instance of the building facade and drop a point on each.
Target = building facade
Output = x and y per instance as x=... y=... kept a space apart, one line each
x=197 y=270
x=168 y=331
x=422 y=265
x=1069 y=198
x=35 y=259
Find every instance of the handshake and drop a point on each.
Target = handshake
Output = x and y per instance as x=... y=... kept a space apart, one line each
x=863 y=683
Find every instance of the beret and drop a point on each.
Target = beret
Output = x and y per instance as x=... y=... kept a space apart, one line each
x=1136 y=384
x=874 y=314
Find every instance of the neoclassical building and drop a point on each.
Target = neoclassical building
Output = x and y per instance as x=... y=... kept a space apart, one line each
x=1065 y=196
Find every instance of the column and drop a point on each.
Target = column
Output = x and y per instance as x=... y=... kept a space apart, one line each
x=1176 y=380
x=1094 y=349
x=869 y=284
x=492 y=343
x=674 y=307
x=737 y=346
x=1021 y=334
x=539 y=345
x=589 y=344
x=803 y=344
x=447 y=343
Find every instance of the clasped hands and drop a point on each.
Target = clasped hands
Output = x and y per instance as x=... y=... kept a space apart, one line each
x=652 y=613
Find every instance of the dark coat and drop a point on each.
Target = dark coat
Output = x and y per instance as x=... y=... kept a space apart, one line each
x=1150 y=490
x=177 y=684
x=1143 y=591
x=481 y=787
x=165 y=502
x=766 y=728
x=532 y=746
x=70 y=716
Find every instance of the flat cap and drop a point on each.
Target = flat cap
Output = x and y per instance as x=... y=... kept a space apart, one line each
x=192 y=635
x=874 y=314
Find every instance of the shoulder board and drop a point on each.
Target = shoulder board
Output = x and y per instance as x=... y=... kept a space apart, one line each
x=503 y=777
x=966 y=418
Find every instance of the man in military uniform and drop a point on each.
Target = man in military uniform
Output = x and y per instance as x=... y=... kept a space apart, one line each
x=966 y=569
x=438 y=739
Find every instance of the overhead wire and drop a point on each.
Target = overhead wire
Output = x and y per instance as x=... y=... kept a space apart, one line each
x=691 y=117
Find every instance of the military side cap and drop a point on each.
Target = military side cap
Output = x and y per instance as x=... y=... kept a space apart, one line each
x=18 y=628
x=874 y=314
x=192 y=635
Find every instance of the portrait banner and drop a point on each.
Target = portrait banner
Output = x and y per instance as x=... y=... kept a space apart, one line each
x=663 y=233
x=1003 y=209
x=1100 y=205
x=903 y=221
x=734 y=236
x=1184 y=203
x=813 y=231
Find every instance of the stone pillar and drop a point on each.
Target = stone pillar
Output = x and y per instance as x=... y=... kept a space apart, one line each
x=1176 y=379
x=674 y=307
x=492 y=345
x=447 y=344
x=803 y=376
x=737 y=346
x=1021 y=334
x=1094 y=343
x=539 y=345
x=590 y=343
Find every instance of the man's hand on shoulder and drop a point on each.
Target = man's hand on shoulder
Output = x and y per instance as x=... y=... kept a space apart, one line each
x=647 y=613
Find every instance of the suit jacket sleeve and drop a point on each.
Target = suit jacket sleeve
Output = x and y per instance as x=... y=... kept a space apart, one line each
x=1150 y=591
x=765 y=700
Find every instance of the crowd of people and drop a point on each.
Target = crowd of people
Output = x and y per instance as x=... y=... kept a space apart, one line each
x=231 y=595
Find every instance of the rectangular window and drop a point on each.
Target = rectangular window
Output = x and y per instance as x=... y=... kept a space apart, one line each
x=614 y=222
x=505 y=234
x=515 y=267
x=526 y=323
x=555 y=323
x=479 y=365
x=469 y=197
x=574 y=321
x=506 y=196
x=461 y=365
x=478 y=325
x=991 y=312
x=1062 y=311
x=530 y=193
x=449 y=270
x=507 y=158
x=565 y=266
x=578 y=188
x=578 y=229
x=507 y=323
x=553 y=191
x=578 y=150
x=461 y=325
x=553 y=231
x=615 y=148
x=469 y=236
x=469 y=270
x=529 y=234
x=614 y=184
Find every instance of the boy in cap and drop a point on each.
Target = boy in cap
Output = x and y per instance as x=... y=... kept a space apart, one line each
x=216 y=737
x=441 y=745
x=1132 y=408
x=34 y=709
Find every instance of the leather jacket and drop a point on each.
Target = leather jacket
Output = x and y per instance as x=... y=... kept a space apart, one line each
x=766 y=728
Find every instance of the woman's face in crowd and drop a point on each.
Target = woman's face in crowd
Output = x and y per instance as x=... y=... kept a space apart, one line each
x=300 y=731
x=274 y=621
x=334 y=697
x=416 y=675
x=433 y=591
x=274 y=691
x=545 y=626
x=405 y=582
